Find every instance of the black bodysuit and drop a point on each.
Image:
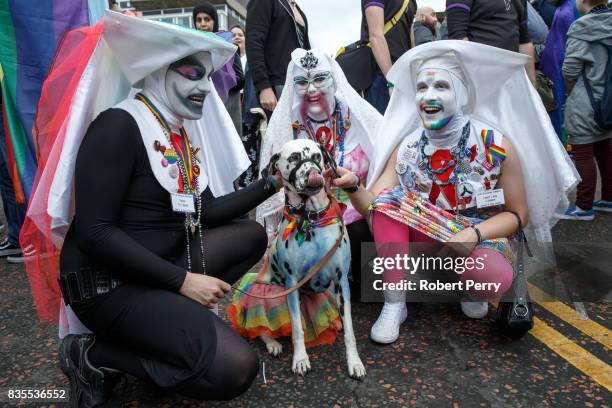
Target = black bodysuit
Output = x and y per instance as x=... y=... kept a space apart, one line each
x=124 y=222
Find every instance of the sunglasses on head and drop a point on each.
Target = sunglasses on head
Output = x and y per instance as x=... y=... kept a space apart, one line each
x=191 y=72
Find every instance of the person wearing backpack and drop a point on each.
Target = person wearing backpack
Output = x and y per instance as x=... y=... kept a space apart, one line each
x=587 y=70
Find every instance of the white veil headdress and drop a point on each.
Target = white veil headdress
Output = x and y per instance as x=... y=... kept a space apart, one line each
x=365 y=121
x=126 y=50
x=500 y=95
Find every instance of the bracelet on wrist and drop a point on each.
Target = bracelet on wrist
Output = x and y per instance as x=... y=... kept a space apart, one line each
x=355 y=187
x=478 y=234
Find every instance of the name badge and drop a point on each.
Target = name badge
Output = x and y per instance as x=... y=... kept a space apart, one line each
x=183 y=203
x=490 y=198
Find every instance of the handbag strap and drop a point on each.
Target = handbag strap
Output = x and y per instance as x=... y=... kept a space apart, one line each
x=388 y=26
x=394 y=20
x=396 y=17
x=521 y=294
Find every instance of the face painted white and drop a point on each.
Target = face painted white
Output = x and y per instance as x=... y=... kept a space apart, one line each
x=188 y=84
x=316 y=90
x=301 y=161
x=435 y=98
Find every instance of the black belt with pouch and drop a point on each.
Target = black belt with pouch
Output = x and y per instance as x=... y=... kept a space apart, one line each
x=86 y=283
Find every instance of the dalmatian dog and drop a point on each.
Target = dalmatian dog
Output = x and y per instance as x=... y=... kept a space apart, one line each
x=301 y=163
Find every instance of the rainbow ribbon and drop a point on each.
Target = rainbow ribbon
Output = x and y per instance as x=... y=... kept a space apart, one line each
x=180 y=143
x=183 y=150
x=495 y=154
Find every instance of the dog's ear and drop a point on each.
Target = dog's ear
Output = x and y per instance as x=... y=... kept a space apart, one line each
x=272 y=166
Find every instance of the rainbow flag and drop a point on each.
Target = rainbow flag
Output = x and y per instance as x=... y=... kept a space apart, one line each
x=29 y=34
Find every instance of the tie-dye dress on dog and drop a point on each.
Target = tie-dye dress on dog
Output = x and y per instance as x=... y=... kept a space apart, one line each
x=321 y=321
x=253 y=317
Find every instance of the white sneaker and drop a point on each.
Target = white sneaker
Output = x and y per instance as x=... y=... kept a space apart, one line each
x=475 y=310
x=386 y=328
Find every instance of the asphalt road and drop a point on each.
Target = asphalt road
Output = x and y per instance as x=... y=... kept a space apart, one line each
x=442 y=359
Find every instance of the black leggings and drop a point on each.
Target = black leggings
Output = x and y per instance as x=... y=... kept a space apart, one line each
x=359 y=232
x=172 y=341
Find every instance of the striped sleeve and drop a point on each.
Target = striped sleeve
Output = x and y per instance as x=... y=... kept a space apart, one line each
x=458 y=15
x=373 y=3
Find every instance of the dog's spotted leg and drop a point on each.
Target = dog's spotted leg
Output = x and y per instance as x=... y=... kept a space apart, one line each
x=273 y=346
x=301 y=363
x=355 y=366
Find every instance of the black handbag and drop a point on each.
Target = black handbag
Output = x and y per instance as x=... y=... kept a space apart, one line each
x=358 y=63
x=515 y=311
x=357 y=60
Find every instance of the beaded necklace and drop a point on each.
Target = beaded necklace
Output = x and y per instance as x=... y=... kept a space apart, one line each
x=458 y=153
x=189 y=172
x=339 y=127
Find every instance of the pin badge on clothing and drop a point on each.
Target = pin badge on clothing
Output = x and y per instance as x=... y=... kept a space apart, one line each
x=173 y=171
x=401 y=167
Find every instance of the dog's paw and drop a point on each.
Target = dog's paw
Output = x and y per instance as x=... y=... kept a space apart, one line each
x=301 y=364
x=274 y=347
x=356 y=368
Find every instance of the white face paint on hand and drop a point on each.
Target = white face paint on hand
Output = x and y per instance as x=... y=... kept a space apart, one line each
x=435 y=98
x=188 y=84
x=316 y=90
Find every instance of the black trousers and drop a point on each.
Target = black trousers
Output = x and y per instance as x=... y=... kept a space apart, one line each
x=359 y=232
x=172 y=341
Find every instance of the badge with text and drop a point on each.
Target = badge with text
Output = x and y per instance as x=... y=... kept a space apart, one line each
x=183 y=203
x=411 y=155
x=490 y=198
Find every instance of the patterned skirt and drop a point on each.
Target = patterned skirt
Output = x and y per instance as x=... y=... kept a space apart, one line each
x=253 y=317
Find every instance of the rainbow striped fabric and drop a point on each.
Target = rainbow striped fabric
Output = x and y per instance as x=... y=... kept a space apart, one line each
x=495 y=154
x=29 y=34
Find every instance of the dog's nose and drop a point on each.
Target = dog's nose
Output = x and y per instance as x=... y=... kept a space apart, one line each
x=315 y=179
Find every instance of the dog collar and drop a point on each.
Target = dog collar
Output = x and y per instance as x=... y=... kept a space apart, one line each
x=304 y=221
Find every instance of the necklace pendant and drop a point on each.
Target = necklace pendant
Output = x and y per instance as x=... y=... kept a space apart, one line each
x=323 y=134
x=347 y=124
x=193 y=228
x=173 y=171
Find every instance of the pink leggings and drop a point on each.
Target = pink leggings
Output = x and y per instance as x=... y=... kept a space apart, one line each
x=496 y=269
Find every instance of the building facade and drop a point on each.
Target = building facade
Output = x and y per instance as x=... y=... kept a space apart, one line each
x=230 y=12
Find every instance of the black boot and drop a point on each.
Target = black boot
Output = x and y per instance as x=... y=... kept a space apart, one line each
x=89 y=386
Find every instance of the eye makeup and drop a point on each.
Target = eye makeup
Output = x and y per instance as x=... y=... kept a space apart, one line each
x=191 y=72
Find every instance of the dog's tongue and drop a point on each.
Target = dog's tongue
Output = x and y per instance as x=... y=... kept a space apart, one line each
x=315 y=179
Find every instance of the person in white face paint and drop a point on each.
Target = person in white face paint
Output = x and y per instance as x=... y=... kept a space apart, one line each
x=320 y=105
x=444 y=145
x=152 y=246
x=317 y=104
